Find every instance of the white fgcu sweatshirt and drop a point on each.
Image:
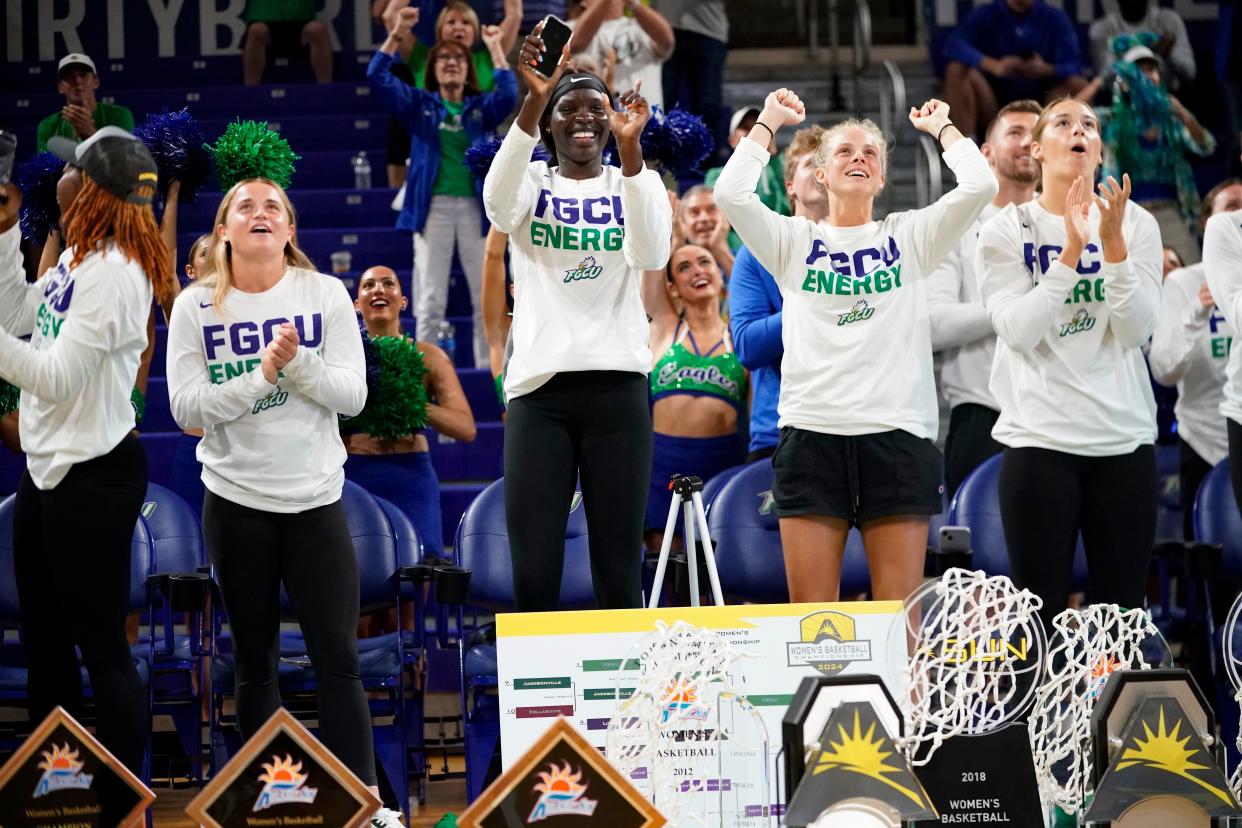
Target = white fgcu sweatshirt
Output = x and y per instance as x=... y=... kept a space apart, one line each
x=1222 y=266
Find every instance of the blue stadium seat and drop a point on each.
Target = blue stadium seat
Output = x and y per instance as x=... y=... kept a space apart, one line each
x=321 y=132
x=1217 y=520
x=712 y=487
x=158 y=415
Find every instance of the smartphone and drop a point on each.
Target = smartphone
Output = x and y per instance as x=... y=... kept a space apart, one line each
x=555 y=33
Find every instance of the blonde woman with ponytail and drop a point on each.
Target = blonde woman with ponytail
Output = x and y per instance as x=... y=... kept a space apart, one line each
x=86 y=474
x=263 y=354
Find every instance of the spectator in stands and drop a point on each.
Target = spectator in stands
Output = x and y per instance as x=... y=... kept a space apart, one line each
x=497 y=318
x=399 y=470
x=755 y=301
x=858 y=398
x=1148 y=134
x=186 y=476
x=86 y=474
x=960 y=326
x=771 y=185
x=1009 y=50
x=441 y=206
x=694 y=74
x=1072 y=285
x=1190 y=350
x=285 y=27
x=636 y=36
x=1131 y=17
x=697 y=389
x=577 y=383
x=82 y=115
x=700 y=222
x=1172 y=261
x=1222 y=266
x=268 y=397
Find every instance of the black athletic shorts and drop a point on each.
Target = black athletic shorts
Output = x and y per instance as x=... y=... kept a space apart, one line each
x=856 y=478
x=286 y=37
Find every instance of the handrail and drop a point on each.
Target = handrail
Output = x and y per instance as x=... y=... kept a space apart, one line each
x=928 y=183
x=892 y=97
x=862 y=38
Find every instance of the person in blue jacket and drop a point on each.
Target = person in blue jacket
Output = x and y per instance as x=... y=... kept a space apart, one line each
x=755 y=301
x=442 y=205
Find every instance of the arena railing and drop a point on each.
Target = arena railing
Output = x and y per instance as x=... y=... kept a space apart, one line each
x=928 y=182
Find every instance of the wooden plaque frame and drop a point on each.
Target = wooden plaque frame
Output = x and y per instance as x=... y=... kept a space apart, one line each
x=60 y=717
x=282 y=721
x=560 y=732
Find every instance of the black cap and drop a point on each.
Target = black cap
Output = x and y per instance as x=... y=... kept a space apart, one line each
x=115 y=160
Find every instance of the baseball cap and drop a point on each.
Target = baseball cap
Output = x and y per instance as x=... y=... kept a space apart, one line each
x=115 y=160
x=1136 y=53
x=75 y=59
x=740 y=115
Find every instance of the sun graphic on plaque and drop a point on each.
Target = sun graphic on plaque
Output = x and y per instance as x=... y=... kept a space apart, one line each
x=1104 y=667
x=61 y=770
x=283 y=783
x=681 y=701
x=560 y=793
x=866 y=754
x=1165 y=751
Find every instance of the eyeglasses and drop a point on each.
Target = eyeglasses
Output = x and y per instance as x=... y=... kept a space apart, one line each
x=450 y=59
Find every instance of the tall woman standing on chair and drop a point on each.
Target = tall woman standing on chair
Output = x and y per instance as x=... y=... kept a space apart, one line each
x=581 y=234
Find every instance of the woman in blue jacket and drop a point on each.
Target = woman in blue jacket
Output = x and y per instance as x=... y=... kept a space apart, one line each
x=442 y=205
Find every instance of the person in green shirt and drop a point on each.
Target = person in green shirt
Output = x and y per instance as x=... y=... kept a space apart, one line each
x=82 y=114
x=286 y=27
x=771 y=187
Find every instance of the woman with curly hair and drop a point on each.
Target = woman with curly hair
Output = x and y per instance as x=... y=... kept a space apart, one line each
x=87 y=320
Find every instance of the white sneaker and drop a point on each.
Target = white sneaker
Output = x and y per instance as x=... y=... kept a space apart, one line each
x=386 y=818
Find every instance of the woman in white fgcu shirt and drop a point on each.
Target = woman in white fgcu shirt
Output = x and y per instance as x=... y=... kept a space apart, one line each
x=1222 y=265
x=581 y=233
x=1072 y=284
x=263 y=353
x=858 y=400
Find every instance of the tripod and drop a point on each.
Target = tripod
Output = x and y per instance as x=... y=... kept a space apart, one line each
x=686 y=495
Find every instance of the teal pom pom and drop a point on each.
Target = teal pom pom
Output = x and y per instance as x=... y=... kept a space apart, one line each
x=9 y=394
x=248 y=149
x=397 y=406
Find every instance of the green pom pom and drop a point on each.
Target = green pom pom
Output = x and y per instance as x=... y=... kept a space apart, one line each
x=138 y=400
x=8 y=397
x=248 y=149
x=398 y=406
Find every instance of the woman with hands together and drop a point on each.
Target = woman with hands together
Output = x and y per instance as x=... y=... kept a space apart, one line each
x=581 y=234
x=858 y=410
x=1072 y=284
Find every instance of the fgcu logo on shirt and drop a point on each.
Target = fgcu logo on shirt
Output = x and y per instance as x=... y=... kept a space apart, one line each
x=270 y=400
x=604 y=230
x=57 y=294
x=283 y=784
x=671 y=373
x=1082 y=321
x=867 y=270
x=860 y=312
x=1038 y=260
x=586 y=269
x=61 y=771
x=560 y=794
x=248 y=339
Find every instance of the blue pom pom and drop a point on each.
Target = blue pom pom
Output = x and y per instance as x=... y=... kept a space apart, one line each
x=36 y=177
x=479 y=157
x=686 y=141
x=177 y=143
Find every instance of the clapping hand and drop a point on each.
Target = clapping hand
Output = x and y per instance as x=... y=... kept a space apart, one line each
x=279 y=352
x=1077 y=210
x=1112 y=203
x=627 y=124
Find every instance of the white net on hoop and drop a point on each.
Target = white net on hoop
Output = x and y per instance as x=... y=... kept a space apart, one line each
x=1231 y=648
x=976 y=658
x=682 y=670
x=1086 y=647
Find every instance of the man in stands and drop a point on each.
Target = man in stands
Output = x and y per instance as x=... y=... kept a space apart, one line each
x=287 y=27
x=700 y=222
x=1005 y=51
x=82 y=114
x=771 y=187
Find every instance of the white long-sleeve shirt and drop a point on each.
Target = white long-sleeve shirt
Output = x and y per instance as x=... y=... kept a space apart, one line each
x=88 y=329
x=858 y=357
x=276 y=448
x=1069 y=372
x=1222 y=266
x=577 y=250
x=1190 y=349
x=960 y=325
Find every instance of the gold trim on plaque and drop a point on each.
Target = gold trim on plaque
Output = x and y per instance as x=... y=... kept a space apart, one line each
x=560 y=731
x=60 y=716
x=282 y=721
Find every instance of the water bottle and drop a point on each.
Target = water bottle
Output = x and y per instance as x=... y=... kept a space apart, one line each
x=362 y=171
x=446 y=338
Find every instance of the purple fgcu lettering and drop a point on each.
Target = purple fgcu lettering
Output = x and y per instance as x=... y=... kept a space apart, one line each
x=863 y=262
x=248 y=338
x=59 y=291
x=569 y=210
x=1088 y=263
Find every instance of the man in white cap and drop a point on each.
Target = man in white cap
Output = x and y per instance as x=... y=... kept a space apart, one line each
x=771 y=186
x=81 y=115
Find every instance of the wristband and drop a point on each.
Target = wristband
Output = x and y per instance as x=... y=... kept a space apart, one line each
x=771 y=131
x=942 y=129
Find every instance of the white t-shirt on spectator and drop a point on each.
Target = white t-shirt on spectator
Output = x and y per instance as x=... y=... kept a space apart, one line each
x=636 y=57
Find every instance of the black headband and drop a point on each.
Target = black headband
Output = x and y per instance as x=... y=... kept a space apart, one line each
x=571 y=81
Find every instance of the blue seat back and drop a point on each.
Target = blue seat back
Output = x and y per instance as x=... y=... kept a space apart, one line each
x=712 y=487
x=176 y=532
x=482 y=542
x=409 y=547
x=1217 y=519
x=375 y=545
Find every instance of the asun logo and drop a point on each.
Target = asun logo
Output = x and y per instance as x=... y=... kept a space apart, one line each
x=560 y=794
x=1081 y=321
x=861 y=311
x=283 y=783
x=61 y=771
x=586 y=269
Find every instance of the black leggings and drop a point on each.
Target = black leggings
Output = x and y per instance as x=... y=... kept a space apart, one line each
x=312 y=553
x=1235 y=460
x=71 y=556
x=1047 y=496
x=594 y=425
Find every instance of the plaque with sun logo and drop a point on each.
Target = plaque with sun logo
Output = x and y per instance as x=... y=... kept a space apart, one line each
x=61 y=777
x=282 y=776
x=1149 y=738
x=855 y=762
x=561 y=782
